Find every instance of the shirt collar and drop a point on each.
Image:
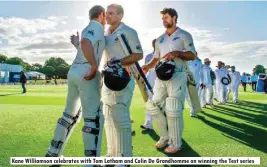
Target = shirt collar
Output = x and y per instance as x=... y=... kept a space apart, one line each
x=96 y=22
x=118 y=28
x=174 y=33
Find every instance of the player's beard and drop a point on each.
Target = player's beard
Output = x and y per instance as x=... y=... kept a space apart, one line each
x=168 y=25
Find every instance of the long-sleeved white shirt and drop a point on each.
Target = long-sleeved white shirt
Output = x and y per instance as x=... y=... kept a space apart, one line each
x=195 y=67
x=206 y=77
x=235 y=78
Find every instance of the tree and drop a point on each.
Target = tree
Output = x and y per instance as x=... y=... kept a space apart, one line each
x=37 y=67
x=3 y=58
x=58 y=64
x=15 y=61
x=49 y=71
x=55 y=62
x=27 y=66
x=259 y=69
x=63 y=71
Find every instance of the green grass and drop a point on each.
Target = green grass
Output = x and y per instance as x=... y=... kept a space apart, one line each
x=27 y=125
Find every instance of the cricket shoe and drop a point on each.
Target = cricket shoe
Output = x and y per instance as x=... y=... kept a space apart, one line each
x=211 y=105
x=146 y=127
x=204 y=106
x=163 y=141
x=171 y=149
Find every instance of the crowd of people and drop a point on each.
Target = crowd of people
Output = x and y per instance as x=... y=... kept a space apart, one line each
x=103 y=100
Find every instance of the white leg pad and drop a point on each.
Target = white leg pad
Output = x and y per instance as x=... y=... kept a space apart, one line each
x=109 y=130
x=174 y=111
x=159 y=118
x=62 y=133
x=123 y=137
x=92 y=136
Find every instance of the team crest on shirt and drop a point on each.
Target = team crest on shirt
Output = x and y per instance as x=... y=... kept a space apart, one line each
x=91 y=32
x=139 y=47
x=116 y=40
x=191 y=44
x=175 y=38
x=161 y=40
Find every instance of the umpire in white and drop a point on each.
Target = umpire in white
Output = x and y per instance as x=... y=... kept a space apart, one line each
x=84 y=90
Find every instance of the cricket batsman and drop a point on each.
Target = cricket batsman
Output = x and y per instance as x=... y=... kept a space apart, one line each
x=84 y=90
x=172 y=50
x=118 y=87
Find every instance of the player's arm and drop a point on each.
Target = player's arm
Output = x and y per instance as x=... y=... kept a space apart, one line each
x=131 y=59
x=90 y=36
x=189 y=52
x=154 y=61
x=186 y=56
x=135 y=45
x=88 y=52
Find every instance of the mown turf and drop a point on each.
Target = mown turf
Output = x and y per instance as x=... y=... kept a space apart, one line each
x=27 y=125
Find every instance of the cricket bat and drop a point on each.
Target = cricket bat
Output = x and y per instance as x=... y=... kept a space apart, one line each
x=139 y=75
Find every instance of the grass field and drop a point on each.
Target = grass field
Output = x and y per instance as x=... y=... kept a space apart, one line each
x=27 y=124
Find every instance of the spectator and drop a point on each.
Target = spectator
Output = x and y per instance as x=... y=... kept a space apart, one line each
x=254 y=80
x=23 y=80
x=244 y=81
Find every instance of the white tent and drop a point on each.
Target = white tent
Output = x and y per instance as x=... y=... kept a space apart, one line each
x=35 y=74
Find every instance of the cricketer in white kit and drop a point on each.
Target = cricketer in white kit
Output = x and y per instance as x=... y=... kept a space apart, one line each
x=175 y=44
x=234 y=85
x=206 y=84
x=195 y=66
x=84 y=90
x=221 y=89
x=151 y=77
x=116 y=104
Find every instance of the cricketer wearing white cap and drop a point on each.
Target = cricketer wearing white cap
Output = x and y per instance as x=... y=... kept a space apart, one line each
x=206 y=84
x=84 y=89
x=175 y=44
x=234 y=85
x=116 y=103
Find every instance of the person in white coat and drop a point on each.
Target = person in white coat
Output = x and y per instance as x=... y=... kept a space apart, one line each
x=206 y=84
x=234 y=85
x=195 y=66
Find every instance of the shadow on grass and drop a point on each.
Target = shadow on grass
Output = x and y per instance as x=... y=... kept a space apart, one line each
x=256 y=119
x=242 y=132
x=10 y=94
x=256 y=107
x=187 y=150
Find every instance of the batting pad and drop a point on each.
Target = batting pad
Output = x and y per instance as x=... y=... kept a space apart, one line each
x=62 y=132
x=92 y=131
x=158 y=116
x=174 y=112
x=110 y=130
x=123 y=137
